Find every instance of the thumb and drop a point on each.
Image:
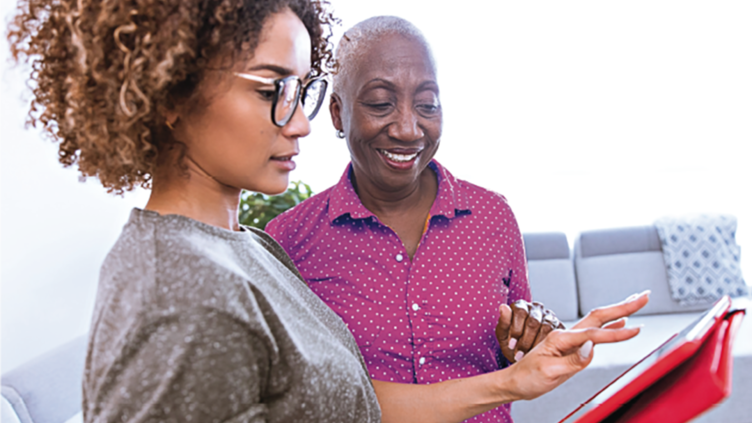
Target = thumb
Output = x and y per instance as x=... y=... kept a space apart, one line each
x=585 y=353
x=581 y=357
x=505 y=321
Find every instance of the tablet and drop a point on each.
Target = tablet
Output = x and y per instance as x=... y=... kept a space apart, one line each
x=650 y=369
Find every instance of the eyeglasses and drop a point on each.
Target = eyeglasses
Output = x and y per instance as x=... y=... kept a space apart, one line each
x=287 y=93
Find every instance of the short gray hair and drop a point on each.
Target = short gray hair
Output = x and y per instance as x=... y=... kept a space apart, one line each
x=354 y=41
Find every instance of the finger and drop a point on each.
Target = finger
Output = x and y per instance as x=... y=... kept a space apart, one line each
x=505 y=321
x=567 y=341
x=545 y=329
x=502 y=332
x=617 y=324
x=520 y=311
x=531 y=329
x=602 y=315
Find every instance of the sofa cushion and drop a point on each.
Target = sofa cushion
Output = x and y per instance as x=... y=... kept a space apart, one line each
x=546 y=245
x=552 y=283
x=612 y=264
x=551 y=273
x=619 y=241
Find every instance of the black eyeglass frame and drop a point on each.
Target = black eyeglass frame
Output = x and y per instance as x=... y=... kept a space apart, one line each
x=299 y=95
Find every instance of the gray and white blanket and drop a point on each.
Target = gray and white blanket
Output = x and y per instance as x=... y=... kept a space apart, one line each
x=702 y=257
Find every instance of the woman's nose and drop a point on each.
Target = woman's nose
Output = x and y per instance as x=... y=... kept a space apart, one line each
x=299 y=126
x=406 y=128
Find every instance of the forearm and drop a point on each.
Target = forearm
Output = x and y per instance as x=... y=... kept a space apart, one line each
x=445 y=402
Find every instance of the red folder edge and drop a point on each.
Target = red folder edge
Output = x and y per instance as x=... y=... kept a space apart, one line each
x=696 y=385
x=695 y=377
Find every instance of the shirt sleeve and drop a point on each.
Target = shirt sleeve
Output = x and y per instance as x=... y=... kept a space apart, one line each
x=276 y=229
x=519 y=287
x=198 y=365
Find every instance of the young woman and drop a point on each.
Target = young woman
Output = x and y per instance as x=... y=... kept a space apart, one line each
x=197 y=318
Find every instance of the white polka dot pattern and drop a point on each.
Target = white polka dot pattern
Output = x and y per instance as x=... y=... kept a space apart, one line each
x=421 y=321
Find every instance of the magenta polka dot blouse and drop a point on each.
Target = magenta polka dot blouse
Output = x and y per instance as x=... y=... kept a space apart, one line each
x=421 y=321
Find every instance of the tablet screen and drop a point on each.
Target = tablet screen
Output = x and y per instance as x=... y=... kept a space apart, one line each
x=671 y=354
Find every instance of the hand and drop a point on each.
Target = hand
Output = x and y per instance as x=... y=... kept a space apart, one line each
x=565 y=352
x=523 y=326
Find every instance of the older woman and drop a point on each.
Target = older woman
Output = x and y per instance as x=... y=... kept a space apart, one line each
x=415 y=261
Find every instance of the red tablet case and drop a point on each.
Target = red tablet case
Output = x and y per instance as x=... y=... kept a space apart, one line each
x=678 y=387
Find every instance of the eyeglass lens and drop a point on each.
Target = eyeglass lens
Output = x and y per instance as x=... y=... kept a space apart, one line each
x=313 y=97
x=288 y=92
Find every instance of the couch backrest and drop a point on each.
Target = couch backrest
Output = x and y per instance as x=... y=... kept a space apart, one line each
x=612 y=264
x=47 y=389
x=551 y=273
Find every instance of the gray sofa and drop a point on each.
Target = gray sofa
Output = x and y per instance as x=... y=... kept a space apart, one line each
x=47 y=389
x=605 y=267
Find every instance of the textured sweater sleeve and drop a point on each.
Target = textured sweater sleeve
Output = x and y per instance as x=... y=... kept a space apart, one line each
x=196 y=365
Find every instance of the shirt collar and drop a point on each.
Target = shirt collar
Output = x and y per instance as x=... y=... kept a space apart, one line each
x=450 y=198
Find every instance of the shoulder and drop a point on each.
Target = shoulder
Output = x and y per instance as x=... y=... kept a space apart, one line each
x=312 y=210
x=483 y=200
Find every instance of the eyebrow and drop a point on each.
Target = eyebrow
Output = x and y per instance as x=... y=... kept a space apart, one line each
x=280 y=70
x=379 y=81
x=428 y=86
x=423 y=86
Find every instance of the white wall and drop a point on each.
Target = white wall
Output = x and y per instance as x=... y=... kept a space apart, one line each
x=585 y=114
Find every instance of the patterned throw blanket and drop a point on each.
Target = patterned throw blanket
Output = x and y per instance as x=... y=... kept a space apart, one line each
x=702 y=258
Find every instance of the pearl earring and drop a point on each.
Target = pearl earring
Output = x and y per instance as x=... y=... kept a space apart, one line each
x=340 y=133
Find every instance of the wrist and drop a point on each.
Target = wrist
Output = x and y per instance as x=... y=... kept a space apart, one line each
x=505 y=386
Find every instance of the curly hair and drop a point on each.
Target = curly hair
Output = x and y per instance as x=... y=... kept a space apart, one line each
x=101 y=71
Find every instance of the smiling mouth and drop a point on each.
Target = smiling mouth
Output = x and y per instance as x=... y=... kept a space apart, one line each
x=398 y=156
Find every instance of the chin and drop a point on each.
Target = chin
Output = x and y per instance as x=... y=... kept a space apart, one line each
x=274 y=188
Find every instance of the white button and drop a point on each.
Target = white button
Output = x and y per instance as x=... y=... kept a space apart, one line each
x=422 y=360
x=399 y=257
x=416 y=307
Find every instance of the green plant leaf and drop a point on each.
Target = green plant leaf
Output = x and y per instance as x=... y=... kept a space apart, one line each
x=257 y=209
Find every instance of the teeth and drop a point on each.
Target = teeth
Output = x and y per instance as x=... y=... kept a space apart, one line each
x=398 y=157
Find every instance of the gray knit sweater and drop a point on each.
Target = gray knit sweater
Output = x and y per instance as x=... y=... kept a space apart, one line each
x=194 y=323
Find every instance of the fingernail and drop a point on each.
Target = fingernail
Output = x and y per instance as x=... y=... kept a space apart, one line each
x=586 y=349
x=519 y=355
x=512 y=343
x=632 y=297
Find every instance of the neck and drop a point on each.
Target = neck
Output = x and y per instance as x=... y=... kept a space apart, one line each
x=191 y=192
x=419 y=194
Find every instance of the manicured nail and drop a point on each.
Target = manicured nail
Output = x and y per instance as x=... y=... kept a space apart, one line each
x=519 y=355
x=586 y=349
x=512 y=343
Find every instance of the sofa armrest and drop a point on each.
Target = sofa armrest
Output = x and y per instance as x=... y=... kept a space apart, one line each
x=47 y=388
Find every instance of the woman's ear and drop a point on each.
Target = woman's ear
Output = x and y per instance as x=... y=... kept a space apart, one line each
x=335 y=109
x=171 y=118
